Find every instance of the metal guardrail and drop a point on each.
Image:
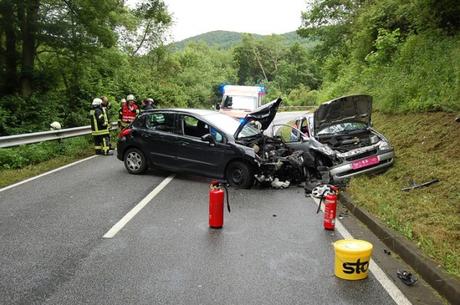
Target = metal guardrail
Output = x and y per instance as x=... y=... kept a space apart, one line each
x=36 y=137
x=296 y=108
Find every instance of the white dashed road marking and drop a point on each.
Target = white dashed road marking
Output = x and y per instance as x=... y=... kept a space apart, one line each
x=378 y=273
x=122 y=222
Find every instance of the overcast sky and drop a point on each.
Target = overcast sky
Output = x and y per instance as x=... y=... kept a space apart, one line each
x=194 y=17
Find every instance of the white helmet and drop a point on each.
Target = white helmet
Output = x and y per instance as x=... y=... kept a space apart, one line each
x=96 y=102
x=55 y=126
x=130 y=97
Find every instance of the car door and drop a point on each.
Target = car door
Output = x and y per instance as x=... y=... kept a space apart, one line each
x=159 y=138
x=196 y=155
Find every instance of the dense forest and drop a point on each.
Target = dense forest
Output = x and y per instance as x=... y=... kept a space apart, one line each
x=55 y=56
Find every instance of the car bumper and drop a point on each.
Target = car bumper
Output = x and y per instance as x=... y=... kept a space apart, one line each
x=345 y=170
x=120 y=149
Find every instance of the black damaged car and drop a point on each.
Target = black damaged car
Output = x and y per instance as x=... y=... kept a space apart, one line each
x=197 y=141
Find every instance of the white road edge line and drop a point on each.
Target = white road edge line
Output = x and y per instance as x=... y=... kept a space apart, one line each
x=122 y=222
x=383 y=279
x=46 y=173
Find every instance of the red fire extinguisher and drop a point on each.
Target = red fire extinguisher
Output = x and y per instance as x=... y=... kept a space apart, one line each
x=330 y=206
x=330 y=211
x=216 y=204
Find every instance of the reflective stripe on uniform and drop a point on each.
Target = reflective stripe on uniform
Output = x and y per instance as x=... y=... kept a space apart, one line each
x=100 y=132
x=106 y=118
x=105 y=147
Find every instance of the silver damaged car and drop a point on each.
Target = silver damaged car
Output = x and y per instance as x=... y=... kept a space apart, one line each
x=341 y=134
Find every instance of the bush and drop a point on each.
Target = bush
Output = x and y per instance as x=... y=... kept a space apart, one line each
x=302 y=96
x=423 y=74
x=21 y=156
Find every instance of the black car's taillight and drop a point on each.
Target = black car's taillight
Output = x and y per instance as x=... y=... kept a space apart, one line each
x=125 y=132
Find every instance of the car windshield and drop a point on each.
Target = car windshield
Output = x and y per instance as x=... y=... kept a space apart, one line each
x=343 y=128
x=229 y=125
x=244 y=102
x=249 y=130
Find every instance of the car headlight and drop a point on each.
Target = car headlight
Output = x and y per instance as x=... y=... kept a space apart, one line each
x=383 y=145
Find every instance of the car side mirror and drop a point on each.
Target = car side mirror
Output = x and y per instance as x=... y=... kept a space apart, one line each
x=208 y=138
x=217 y=106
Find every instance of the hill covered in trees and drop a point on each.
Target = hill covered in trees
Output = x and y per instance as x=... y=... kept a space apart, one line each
x=218 y=39
x=227 y=39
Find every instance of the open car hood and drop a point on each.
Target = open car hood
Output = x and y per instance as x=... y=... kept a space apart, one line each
x=352 y=108
x=264 y=115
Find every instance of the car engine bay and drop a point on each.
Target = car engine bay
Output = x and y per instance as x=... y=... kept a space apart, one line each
x=277 y=162
x=346 y=142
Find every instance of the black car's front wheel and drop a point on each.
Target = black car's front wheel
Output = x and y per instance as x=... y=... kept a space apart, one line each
x=239 y=174
x=135 y=161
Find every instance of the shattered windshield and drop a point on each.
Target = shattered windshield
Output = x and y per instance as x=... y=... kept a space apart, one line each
x=249 y=130
x=229 y=125
x=343 y=128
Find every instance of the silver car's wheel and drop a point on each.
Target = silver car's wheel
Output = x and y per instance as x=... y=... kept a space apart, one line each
x=135 y=161
x=321 y=190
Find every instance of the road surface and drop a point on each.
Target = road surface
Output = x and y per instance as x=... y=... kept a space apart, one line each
x=272 y=249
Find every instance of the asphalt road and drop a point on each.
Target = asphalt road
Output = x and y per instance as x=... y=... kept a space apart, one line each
x=272 y=249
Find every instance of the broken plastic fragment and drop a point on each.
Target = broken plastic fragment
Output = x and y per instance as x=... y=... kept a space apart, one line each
x=280 y=184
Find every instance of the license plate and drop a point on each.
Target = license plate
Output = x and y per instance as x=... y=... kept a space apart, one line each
x=369 y=161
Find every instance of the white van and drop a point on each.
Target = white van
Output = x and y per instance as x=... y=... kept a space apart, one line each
x=237 y=101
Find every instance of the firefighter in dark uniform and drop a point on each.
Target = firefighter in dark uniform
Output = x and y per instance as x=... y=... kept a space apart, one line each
x=105 y=108
x=100 y=128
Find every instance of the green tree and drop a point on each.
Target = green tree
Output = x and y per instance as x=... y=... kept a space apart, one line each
x=66 y=52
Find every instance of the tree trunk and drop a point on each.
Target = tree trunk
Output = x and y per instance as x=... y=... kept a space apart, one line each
x=9 y=23
x=259 y=63
x=28 y=14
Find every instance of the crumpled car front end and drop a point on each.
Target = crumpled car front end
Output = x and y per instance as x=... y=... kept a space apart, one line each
x=277 y=164
x=374 y=158
x=344 y=125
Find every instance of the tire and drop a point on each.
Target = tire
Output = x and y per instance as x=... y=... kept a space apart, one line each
x=135 y=161
x=239 y=175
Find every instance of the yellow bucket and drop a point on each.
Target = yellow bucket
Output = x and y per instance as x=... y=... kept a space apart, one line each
x=352 y=258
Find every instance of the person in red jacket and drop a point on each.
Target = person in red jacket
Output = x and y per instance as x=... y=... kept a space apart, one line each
x=129 y=111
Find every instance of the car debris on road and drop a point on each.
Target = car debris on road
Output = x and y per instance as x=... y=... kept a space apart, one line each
x=414 y=185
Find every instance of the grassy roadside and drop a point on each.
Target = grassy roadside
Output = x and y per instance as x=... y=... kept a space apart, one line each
x=19 y=163
x=10 y=176
x=427 y=146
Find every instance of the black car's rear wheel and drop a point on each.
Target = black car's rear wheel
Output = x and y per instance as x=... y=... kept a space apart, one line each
x=135 y=161
x=239 y=174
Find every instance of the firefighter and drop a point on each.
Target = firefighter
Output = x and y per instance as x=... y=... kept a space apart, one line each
x=105 y=108
x=100 y=128
x=148 y=104
x=129 y=112
x=120 y=113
